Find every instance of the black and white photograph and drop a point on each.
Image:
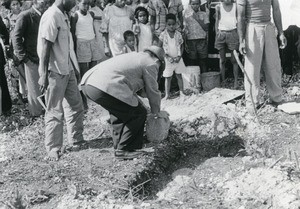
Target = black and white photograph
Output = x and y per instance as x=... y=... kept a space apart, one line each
x=149 y=104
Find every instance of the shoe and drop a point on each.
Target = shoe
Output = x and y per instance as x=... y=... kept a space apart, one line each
x=127 y=155
x=275 y=104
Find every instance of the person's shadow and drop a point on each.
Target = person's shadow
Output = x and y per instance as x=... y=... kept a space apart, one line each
x=101 y=143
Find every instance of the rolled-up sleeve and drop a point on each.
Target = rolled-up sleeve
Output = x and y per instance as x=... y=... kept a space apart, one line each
x=49 y=28
x=150 y=74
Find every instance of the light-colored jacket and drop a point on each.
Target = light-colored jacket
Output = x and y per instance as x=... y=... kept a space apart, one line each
x=124 y=75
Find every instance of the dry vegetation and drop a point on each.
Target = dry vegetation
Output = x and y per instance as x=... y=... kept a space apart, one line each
x=209 y=162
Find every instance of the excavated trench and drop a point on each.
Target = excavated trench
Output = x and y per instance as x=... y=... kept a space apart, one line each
x=179 y=154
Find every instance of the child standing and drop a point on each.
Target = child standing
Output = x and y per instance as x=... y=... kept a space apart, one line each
x=87 y=46
x=129 y=42
x=196 y=26
x=97 y=25
x=227 y=36
x=82 y=27
x=142 y=28
x=118 y=19
x=172 y=42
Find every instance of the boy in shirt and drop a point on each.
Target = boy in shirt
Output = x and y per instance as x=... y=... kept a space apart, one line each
x=196 y=24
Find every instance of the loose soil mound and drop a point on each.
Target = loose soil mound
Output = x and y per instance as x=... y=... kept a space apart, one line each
x=92 y=178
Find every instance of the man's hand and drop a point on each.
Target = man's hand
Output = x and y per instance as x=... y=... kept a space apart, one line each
x=242 y=48
x=283 y=41
x=43 y=82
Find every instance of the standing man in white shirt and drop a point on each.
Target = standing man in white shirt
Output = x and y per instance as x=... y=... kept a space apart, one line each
x=58 y=66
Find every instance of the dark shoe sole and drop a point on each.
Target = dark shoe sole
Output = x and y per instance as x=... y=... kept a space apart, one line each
x=128 y=155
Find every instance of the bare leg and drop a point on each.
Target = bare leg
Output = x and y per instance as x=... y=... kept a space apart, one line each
x=235 y=71
x=180 y=83
x=167 y=87
x=222 y=62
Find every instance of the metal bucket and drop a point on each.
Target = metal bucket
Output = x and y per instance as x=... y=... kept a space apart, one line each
x=210 y=80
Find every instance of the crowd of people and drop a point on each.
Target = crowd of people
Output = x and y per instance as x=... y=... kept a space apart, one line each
x=119 y=48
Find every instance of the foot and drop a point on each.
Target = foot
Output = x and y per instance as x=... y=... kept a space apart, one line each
x=182 y=94
x=127 y=155
x=52 y=156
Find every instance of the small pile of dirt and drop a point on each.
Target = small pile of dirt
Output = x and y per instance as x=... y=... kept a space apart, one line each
x=263 y=188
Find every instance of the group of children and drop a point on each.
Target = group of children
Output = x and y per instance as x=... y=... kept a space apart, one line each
x=103 y=30
x=126 y=28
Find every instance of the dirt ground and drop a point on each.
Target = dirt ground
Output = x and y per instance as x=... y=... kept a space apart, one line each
x=225 y=160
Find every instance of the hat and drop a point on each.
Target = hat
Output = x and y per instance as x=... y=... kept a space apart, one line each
x=157 y=51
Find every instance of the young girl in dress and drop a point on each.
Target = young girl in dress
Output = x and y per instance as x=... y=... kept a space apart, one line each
x=97 y=26
x=118 y=19
x=172 y=42
x=142 y=28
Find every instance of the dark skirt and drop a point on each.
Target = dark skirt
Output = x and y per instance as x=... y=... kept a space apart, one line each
x=6 y=100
